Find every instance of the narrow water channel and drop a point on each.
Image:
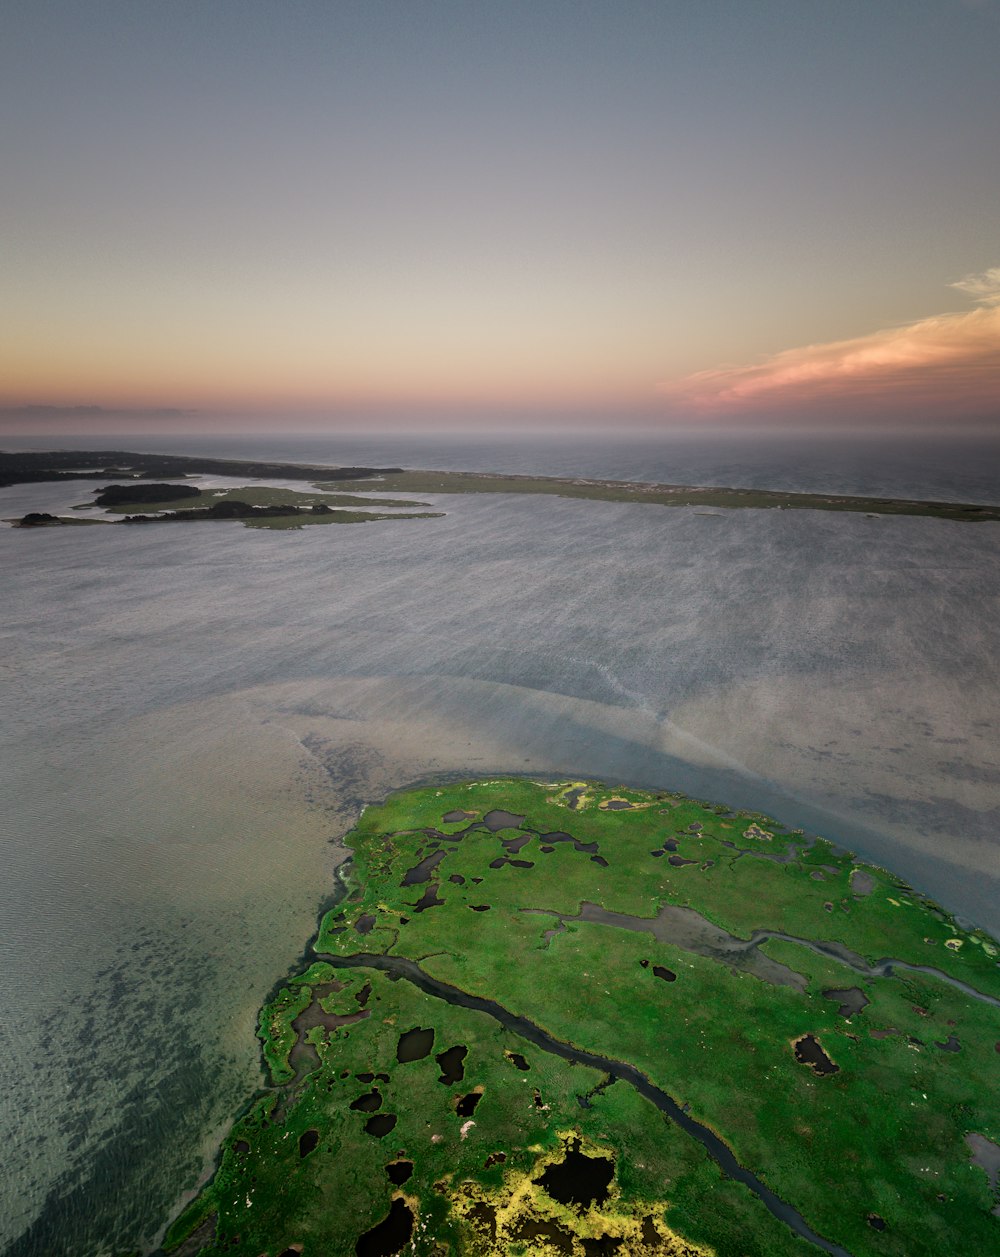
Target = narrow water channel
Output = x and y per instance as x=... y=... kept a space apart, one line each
x=400 y=967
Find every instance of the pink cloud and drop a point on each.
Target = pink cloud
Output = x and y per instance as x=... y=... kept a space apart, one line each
x=949 y=363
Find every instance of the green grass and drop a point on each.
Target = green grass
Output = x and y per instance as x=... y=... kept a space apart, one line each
x=884 y=1135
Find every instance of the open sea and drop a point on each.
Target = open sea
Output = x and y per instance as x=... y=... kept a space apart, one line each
x=192 y=717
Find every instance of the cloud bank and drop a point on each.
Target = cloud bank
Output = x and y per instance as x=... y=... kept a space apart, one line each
x=946 y=366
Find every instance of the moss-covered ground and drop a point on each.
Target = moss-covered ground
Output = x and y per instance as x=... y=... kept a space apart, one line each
x=873 y=1155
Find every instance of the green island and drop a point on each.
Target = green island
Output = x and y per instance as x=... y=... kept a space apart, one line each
x=559 y=1018
x=37 y=466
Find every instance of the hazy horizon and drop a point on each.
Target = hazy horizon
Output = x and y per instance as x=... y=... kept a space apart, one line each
x=458 y=214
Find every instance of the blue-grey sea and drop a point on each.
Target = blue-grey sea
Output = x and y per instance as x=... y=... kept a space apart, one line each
x=191 y=717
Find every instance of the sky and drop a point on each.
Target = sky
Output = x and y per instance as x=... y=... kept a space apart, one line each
x=312 y=213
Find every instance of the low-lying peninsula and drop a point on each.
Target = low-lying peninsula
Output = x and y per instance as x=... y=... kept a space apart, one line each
x=116 y=464
x=556 y=1018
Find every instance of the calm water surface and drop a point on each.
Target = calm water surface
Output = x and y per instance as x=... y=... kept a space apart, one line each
x=192 y=717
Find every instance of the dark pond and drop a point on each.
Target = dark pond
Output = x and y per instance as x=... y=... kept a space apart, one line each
x=380 y=1125
x=452 y=818
x=875 y=1222
x=389 y=1236
x=513 y=845
x=538 y=1232
x=951 y=1044
x=429 y=899
x=616 y=805
x=421 y=872
x=466 y=1105
x=365 y=924
x=414 y=1045
x=241 y=1146
x=495 y=1158
x=307 y=1142
x=808 y=1052
x=601 y=1245
x=364 y=995
x=548 y=850
x=678 y=861
x=557 y=835
x=457 y=878
x=479 y=907
x=667 y=975
x=517 y=1059
x=370 y=1102
x=577 y=1179
x=498 y=819
x=851 y=1000
x=452 y=1065
x=399 y=1172
x=599 y=859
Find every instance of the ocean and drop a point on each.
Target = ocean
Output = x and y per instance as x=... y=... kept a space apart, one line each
x=193 y=716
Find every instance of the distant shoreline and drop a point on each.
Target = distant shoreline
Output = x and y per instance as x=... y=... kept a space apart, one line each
x=111 y=465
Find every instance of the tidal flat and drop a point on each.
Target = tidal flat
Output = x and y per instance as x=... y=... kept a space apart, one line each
x=556 y=1081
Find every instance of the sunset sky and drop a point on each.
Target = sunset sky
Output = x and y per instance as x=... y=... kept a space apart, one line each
x=329 y=212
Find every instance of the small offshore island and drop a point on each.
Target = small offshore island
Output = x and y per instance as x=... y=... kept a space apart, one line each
x=556 y=1018
x=288 y=508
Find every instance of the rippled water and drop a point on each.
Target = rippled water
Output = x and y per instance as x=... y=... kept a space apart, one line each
x=191 y=715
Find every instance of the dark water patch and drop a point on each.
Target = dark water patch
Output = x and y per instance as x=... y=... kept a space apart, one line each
x=391 y=1235
x=454 y=817
x=695 y=827
x=499 y=819
x=422 y=871
x=617 y=805
x=657 y=854
x=578 y=1180
x=307 y=1142
x=678 y=861
x=852 y=1000
x=291 y=1252
x=599 y=859
x=479 y=907
x=862 y=883
x=547 y=849
x=671 y=844
x=370 y=1102
x=365 y=1077
x=466 y=1105
x=574 y=796
x=986 y=1154
x=484 y=1218
x=558 y=835
x=499 y=862
x=457 y=879
x=951 y=1044
x=586 y=1101
x=429 y=899
x=241 y=1147
x=667 y=975
x=399 y=1172
x=809 y=1052
x=518 y=1061
x=452 y=1064
x=522 y=864
x=414 y=1045
x=535 y=1231
x=380 y=1125
x=513 y=845
x=876 y=1222
x=303 y=1056
x=365 y=923
x=601 y=1245
x=364 y=995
